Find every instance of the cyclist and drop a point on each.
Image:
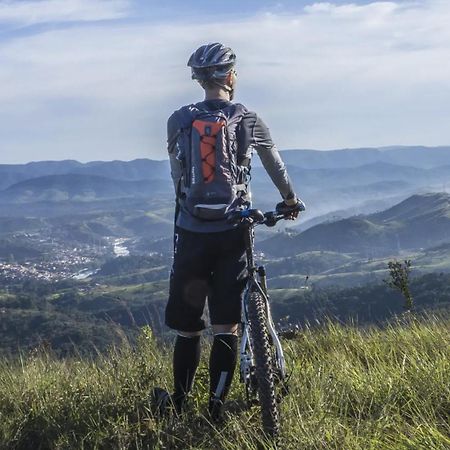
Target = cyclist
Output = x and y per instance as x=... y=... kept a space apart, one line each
x=209 y=255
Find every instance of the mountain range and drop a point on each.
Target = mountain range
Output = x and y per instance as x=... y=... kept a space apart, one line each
x=138 y=169
x=337 y=183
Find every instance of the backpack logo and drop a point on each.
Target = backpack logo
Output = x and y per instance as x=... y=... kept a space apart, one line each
x=212 y=182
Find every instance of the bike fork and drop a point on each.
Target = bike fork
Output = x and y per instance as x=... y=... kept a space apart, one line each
x=280 y=361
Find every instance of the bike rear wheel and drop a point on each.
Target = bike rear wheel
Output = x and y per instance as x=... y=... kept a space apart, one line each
x=260 y=343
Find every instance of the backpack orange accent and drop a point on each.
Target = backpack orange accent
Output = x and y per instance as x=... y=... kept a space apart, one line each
x=208 y=132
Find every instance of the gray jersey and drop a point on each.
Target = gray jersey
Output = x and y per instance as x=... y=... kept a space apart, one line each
x=252 y=134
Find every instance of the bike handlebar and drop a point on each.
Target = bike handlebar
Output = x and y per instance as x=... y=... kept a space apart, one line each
x=255 y=217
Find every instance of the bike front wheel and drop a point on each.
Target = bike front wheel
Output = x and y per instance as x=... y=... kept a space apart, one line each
x=259 y=337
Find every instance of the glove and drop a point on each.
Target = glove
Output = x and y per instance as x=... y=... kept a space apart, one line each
x=290 y=209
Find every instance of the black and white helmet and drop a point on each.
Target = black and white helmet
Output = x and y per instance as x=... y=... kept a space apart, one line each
x=211 y=62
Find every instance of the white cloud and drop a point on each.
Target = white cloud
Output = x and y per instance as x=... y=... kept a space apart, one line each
x=352 y=9
x=332 y=76
x=30 y=12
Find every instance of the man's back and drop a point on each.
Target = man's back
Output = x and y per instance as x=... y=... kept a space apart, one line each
x=250 y=133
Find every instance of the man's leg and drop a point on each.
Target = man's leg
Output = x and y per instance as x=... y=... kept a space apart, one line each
x=221 y=366
x=186 y=357
x=228 y=283
x=188 y=289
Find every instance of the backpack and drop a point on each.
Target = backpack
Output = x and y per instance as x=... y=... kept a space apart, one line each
x=212 y=181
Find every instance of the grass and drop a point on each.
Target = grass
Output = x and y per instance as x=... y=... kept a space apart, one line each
x=351 y=388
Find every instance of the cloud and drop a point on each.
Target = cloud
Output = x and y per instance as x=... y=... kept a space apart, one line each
x=44 y=11
x=352 y=9
x=330 y=76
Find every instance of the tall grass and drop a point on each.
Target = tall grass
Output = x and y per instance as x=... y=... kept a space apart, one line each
x=350 y=389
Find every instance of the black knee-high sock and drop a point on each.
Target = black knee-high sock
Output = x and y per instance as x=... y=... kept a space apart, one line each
x=221 y=364
x=186 y=357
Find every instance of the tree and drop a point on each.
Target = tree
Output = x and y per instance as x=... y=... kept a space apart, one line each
x=399 y=279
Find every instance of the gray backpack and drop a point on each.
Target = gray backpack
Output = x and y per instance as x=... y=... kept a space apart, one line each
x=212 y=183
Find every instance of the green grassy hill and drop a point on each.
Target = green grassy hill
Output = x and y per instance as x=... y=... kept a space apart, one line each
x=351 y=388
x=347 y=270
x=373 y=303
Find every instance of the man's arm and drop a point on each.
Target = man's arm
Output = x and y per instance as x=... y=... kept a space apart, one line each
x=255 y=135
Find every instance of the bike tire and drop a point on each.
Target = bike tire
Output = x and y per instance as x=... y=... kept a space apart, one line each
x=259 y=336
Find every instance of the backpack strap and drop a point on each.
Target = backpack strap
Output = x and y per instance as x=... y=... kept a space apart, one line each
x=237 y=116
x=186 y=116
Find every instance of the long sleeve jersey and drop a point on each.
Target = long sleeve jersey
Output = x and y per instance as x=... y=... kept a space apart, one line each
x=251 y=134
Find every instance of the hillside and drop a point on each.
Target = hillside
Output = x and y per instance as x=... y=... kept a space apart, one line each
x=418 y=208
x=370 y=303
x=419 y=221
x=350 y=389
x=138 y=169
x=74 y=187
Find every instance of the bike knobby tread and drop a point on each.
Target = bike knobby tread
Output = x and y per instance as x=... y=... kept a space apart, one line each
x=263 y=358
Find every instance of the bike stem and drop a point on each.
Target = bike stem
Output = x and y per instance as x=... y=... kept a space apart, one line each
x=251 y=267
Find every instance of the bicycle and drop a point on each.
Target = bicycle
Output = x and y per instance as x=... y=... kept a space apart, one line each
x=262 y=362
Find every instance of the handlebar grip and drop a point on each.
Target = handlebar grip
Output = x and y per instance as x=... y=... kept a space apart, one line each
x=282 y=208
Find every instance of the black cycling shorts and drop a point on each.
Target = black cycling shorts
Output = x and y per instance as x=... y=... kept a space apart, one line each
x=208 y=266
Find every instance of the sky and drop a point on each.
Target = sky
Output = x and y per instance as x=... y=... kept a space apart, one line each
x=97 y=79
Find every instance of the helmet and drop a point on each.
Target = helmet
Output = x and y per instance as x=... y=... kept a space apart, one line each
x=211 y=61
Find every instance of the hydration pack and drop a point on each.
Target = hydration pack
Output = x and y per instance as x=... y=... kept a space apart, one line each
x=213 y=182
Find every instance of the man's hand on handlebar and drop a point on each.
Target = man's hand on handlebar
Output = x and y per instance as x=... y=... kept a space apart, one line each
x=290 y=208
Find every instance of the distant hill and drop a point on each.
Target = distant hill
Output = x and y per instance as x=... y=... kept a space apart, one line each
x=147 y=169
x=332 y=183
x=138 y=169
x=376 y=173
x=80 y=188
x=419 y=221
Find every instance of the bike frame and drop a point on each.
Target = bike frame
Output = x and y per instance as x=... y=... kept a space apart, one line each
x=257 y=283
